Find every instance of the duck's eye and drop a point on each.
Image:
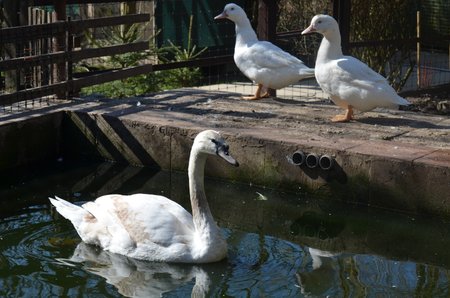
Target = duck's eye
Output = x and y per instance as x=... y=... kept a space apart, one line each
x=214 y=141
x=232 y=8
x=319 y=22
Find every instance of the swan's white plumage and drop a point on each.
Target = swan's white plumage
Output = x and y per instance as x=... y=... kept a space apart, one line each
x=152 y=227
x=261 y=61
x=347 y=80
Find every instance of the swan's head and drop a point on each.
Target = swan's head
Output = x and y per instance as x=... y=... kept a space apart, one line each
x=211 y=142
x=233 y=12
x=322 y=24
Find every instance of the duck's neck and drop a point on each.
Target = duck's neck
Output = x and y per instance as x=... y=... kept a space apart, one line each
x=330 y=47
x=202 y=217
x=245 y=35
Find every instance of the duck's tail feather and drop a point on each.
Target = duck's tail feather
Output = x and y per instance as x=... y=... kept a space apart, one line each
x=306 y=73
x=401 y=101
x=70 y=211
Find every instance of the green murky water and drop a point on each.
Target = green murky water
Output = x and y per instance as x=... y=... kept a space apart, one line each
x=280 y=245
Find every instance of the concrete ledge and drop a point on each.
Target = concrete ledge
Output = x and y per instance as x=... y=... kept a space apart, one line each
x=381 y=159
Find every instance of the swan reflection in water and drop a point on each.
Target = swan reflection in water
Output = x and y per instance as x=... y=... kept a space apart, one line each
x=136 y=278
x=323 y=276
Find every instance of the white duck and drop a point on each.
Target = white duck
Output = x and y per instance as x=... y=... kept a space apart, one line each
x=152 y=227
x=261 y=61
x=349 y=82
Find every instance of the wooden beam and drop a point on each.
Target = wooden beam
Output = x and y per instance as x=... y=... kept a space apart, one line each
x=80 y=25
x=32 y=93
x=75 y=56
x=112 y=75
x=50 y=2
x=109 y=51
x=28 y=33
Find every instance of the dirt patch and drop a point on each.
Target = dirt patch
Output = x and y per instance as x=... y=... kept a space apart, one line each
x=437 y=103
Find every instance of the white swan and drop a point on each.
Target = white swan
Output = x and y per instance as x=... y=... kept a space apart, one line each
x=261 y=61
x=349 y=82
x=152 y=227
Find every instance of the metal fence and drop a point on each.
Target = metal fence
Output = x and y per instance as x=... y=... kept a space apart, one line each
x=70 y=48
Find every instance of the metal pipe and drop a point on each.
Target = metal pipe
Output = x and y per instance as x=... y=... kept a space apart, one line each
x=298 y=158
x=326 y=162
x=312 y=160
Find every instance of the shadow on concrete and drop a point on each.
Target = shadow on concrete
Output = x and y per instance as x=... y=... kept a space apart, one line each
x=401 y=122
x=166 y=103
x=334 y=174
x=297 y=102
x=109 y=137
x=5 y=116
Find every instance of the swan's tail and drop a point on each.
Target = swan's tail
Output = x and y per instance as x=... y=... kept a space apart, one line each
x=70 y=211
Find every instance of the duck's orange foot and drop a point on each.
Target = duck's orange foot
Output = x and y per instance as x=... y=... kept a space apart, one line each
x=341 y=118
x=344 y=118
x=265 y=95
x=254 y=97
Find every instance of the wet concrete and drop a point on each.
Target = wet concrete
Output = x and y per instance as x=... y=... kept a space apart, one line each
x=391 y=159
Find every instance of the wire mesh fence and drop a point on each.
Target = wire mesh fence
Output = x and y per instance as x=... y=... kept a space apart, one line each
x=186 y=47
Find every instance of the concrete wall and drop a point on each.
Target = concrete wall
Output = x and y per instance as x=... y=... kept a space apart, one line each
x=368 y=176
x=25 y=141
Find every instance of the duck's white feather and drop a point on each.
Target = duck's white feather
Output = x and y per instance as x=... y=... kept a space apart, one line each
x=266 y=64
x=261 y=61
x=346 y=79
x=152 y=227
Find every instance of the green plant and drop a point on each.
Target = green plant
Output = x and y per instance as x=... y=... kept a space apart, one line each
x=132 y=86
x=151 y=82
x=381 y=20
x=185 y=76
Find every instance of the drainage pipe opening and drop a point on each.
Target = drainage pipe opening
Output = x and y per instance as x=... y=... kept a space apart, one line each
x=326 y=162
x=312 y=160
x=298 y=158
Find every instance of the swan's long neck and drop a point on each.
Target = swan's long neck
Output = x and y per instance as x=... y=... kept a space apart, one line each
x=245 y=35
x=203 y=220
x=330 y=47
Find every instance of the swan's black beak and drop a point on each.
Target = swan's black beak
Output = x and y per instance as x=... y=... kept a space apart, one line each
x=223 y=152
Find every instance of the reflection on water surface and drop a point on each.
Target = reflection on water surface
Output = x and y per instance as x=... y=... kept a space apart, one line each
x=280 y=245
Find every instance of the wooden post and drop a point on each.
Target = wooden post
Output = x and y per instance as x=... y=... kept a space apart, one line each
x=267 y=20
x=342 y=14
x=60 y=42
x=419 y=72
x=267 y=24
x=15 y=13
x=127 y=8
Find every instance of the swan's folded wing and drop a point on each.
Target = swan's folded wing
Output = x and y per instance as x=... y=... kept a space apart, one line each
x=105 y=214
x=155 y=219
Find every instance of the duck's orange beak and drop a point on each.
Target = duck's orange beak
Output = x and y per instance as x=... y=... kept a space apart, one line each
x=223 y=15
x=309 y=30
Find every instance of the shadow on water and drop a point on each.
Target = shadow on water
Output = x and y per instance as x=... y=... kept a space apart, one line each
x=280 y=244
